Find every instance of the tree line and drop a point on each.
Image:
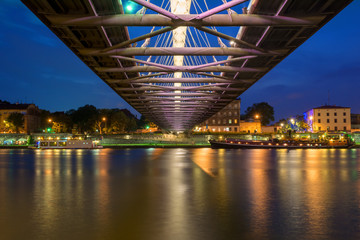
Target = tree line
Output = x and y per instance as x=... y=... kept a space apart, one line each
x=85 y=119
x=89 y=119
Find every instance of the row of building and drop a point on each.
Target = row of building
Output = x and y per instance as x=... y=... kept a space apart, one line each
x=30 y=112
x=320 y=119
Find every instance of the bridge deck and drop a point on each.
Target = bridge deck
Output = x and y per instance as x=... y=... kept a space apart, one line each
x=96 y=31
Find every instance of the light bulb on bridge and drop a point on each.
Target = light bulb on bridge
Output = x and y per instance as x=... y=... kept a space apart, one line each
x=129 y=8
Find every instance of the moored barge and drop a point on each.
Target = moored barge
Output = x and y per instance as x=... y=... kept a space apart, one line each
x=67 y=144
x=273 y=144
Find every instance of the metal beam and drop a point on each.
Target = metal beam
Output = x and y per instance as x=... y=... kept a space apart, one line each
x=188 y=51
x=179 y=88
x=143 y=62
x=171 y=94
x=172 y=99
x=175 y=106
x=195 y=85
x=180 y=80
x=221 y=20
x=227 y=37
x=155 y=104
x=137 y=39
x=220 y=8
x=191 y=67
x=188 y=98
x=180 y=69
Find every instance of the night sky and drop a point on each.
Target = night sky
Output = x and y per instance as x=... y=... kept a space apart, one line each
x=37 y=67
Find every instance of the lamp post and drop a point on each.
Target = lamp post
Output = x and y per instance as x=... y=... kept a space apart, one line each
x=49 y=128
x=104 y=120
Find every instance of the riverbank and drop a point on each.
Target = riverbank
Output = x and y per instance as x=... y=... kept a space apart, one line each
x=157 y=145
x=120 y=146
x=150 y=140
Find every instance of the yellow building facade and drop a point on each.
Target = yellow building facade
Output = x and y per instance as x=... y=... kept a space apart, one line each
x=250 y=127
x=30 y=112
x=329 y=118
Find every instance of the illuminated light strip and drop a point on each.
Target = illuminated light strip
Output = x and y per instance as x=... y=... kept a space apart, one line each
x=179 y=37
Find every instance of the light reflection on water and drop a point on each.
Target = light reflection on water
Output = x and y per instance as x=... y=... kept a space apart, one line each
x=179 y=194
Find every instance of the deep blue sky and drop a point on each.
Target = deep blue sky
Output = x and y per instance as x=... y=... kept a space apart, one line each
x=37 y=67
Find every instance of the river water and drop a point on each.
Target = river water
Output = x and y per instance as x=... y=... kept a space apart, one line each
x=179 y=194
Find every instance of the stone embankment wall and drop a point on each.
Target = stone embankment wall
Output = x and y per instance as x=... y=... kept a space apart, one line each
x=21 y=139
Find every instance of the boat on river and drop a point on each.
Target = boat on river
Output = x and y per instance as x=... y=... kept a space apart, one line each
x=276 y=144
x=67 y=144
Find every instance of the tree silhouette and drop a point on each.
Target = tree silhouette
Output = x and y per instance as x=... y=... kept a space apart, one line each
x=16 y=120
x=263 y=110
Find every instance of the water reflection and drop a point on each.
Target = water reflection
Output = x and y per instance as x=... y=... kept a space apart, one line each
x=179 y=194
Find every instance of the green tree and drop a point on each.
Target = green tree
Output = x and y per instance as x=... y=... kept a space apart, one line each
x=85 y=117
x=61 y=122
x=295 y=124
x=16 y=120
x=143 y=122
x=118 y=122
x=131 y=125
x=301 y=124
x=30 y=140
x=44 y=120
x=263 y=110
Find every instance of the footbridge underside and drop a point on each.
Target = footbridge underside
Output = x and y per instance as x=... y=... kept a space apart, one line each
x=223 y=50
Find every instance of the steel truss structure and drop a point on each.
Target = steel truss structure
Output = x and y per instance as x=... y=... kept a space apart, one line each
x=195 y=78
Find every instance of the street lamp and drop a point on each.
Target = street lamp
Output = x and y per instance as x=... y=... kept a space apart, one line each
x=311 y=123
x=49 y=120
x=257 y=116
x=104 y=120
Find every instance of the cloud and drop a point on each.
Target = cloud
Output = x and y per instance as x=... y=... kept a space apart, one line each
x=13 y=25
x=295 y=95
